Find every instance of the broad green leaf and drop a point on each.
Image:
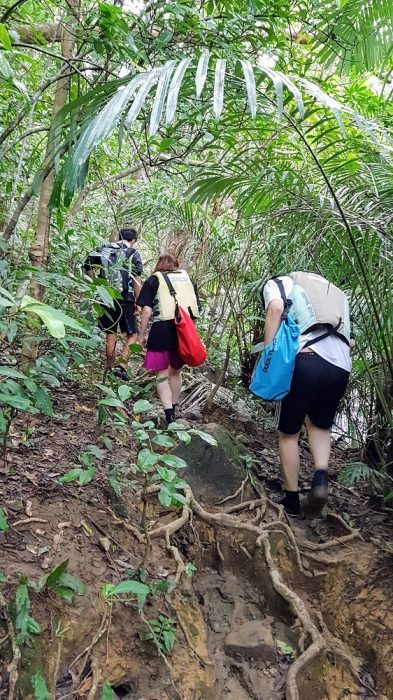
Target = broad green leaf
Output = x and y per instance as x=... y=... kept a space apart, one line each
x=173 y=461
x=124 y=392
x=33 y=627
x=111 y=402
x=183 y=437
x=96 y=451
x=107 y=692
x=5 y=293
x=18 y=402
x=141 y=406
x=84 y=476
x=5 y=68
x=204 y=436
x=54 y=319
x=3 y=521
x=130 y=586
x=55 y=575
x=5 y=38
x=11 y=372
x=3 y=578
x=165 y=497
x=3 y=423
x=40 y=688
x=163 y=441
x=42 y=401
x=147 y=458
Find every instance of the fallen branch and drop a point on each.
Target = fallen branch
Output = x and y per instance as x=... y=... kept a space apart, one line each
x=27 y=521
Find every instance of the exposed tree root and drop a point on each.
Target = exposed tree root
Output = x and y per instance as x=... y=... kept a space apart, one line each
x=13 y=666
x=334 y=542
x=239 y=491
x=249 y=505
x=95 y=682
x=219 y=551
x=85 y=654
x=184 y=629
x=176 y=555
x=223 y=519
x=173 y=526
x=283 y=527
x=299 y=610
x=339 y=519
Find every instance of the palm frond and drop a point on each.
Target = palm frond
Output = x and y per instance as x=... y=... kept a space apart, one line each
x=132 y=93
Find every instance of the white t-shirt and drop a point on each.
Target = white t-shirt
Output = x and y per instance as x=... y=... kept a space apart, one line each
x=332 y=348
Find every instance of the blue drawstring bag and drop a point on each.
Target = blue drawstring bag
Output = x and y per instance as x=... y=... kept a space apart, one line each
x=273 y=372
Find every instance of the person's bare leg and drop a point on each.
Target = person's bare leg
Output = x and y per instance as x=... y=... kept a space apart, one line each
x=130 y=340
x=290 y=459
x=319 y=442
x=164 y=390
x=175 y=382
x=110 y=350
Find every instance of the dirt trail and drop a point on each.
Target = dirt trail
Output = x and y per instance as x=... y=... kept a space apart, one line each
x=342 y=581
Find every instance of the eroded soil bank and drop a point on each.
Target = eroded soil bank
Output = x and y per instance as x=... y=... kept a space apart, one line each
x=264 y=595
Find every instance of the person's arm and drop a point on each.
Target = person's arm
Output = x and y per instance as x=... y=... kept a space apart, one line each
x=145 y=319
x=137 y=269
x=273 y=319
x=137 y=284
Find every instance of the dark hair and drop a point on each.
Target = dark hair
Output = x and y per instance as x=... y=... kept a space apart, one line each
x=167 y=262
x=128 y=234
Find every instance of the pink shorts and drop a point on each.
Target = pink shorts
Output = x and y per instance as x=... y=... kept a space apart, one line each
x=158 y=360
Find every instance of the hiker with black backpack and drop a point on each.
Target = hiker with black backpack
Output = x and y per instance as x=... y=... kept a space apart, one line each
x=305 y=367
x=121 y=266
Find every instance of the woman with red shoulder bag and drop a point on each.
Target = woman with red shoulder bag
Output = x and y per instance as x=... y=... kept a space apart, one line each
x=169 y=299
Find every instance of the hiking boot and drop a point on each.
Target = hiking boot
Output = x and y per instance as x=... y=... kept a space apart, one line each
x=290 y=502
x=319 y=490
x=121 y=373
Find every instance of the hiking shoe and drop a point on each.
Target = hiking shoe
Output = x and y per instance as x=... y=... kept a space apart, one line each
x=121 y=373
x=291 y=504
x=319 y=490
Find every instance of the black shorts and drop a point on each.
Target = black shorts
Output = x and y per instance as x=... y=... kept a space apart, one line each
x=316 y=389
x=121 y=315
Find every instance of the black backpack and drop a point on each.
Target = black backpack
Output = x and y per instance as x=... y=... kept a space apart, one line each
x=115 y=262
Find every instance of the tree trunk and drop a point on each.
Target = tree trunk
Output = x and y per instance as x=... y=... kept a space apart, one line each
x=39 y=249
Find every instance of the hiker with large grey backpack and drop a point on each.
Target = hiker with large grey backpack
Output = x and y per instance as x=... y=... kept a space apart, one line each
x=121 y=266
x=305 y=367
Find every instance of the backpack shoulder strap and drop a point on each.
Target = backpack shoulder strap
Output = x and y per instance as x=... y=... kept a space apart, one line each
x=170 y=286
x=287 y=302
x=330 y=331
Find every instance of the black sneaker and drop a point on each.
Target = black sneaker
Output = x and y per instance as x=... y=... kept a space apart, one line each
x=291 y=505
x=318 y=494
x=121 y=373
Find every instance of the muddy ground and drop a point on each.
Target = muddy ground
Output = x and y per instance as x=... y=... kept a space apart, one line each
x=237 y=637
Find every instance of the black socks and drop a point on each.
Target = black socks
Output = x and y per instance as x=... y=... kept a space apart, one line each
x=320 y=478
x=170 y=415
x=292 y=498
